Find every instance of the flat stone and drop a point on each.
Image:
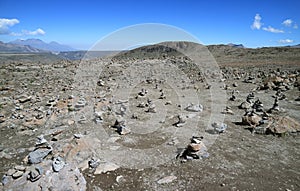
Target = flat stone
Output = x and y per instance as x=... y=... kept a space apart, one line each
x=227 y=111
x=25 y=99
x=10 y=172
x=20 y=167
x=38 y=155
x=106 y=167
x=167 y=179
x=194 y=108
x=196 y=139
x=18 y=174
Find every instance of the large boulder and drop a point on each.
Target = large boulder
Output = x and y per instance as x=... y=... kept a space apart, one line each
x=252 y=120
x=272 y=82
x=282 y=125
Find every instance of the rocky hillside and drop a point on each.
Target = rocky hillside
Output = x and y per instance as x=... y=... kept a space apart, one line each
x=224 y=54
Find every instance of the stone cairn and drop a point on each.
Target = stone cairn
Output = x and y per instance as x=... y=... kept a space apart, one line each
x=194 y=150
x=275 y=107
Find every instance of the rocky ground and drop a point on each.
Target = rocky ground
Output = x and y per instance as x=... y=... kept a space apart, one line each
x=150 y=124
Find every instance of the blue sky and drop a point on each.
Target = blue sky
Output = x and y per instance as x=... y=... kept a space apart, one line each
x=80 y=24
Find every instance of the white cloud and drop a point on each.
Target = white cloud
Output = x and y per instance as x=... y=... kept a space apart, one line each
x=38 y=31
x=295 y=26
x=285 y=41
x=15 y=34
x=6 y=23
x=287 y=22
x=273 y=30
x=257 y=22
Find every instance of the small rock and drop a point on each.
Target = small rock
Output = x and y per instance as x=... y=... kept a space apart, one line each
x=194 y=108
x=80 y=103
x=93 y=163
x=124 y=130
x=167 y=179
x=174 y=141
x=152 y=108
x=143 y=92
x=121 y=128
x=5 y=180
x=142 y=105
x=77 y=136
x=162 y=95
x=40 y=140
x=181 y=120
x=98 y=117
x=227 y=110
x=100 y=83
x=207 y=86
x=168 y=103
x=18 y=174
x=219 y=127
x=71 y=122
x=82 y=120
x=2 y=119
x=57 y=164
x=120 y=179
x=35 y=174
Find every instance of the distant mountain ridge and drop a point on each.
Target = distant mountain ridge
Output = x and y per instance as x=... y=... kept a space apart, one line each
x=15 y=48
x=39 y=44
x=294 y=46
